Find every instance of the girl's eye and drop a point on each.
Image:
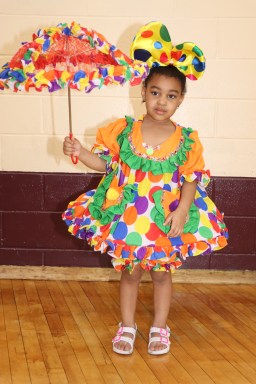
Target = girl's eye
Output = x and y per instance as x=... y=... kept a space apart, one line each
x=154 y=93
x=172 y=96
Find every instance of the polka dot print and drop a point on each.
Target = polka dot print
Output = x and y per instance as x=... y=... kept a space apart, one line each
x=154 y=232
x=158 y=45
x=130 y=215
x=141 y=205
x=142 y=225
x=135 y=233
x=134 y=238
x=144 y=187
x=152 y=44
x=120 y=231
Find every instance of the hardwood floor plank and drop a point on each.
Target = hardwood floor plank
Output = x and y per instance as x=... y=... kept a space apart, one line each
x=55 y=370
x=174 y=370
x=50 y=354
x=105 y=325
x=230 y=323
x=66 y=363
x=208 y=338
x=199 y=349
x=61 y=331
x=216 y=335
x=69 y=306
x=5 y=368
x=17 y=356
x=92 y=341
x=68 y=359
x=77 y=291
x=34 y=357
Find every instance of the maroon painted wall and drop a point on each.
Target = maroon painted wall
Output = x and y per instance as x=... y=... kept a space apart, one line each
x=33 y=233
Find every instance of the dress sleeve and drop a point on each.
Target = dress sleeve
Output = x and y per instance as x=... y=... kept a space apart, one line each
x=193 y=168
x=106 y=146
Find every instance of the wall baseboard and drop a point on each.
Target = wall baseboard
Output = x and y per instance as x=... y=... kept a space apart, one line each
x=11 y=272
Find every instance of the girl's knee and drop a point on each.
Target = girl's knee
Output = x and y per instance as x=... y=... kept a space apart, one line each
x=134 y=276
x=160 y=277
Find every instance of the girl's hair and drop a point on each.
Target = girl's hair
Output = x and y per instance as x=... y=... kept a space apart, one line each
x=170 y=71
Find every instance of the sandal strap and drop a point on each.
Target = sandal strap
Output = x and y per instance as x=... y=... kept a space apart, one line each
x=164 y=332
x=122 y=330
x=128 y=340
x=162 y=339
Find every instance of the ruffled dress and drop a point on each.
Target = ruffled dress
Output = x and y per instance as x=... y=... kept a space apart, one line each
x=125 y=215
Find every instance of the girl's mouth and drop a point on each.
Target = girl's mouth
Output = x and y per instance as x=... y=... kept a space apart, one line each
x=159 y=111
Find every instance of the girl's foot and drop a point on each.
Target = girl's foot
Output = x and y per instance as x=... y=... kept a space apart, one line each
x=159 y=341
x=123 y=342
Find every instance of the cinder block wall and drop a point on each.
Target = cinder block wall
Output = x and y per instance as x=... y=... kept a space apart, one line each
x=37 y=180
x=221 y=106
x=33 y=233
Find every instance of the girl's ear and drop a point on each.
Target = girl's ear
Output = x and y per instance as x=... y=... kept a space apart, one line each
x=143 y=93
x=181 y=99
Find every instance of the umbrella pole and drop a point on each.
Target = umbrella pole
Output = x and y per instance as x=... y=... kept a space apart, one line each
x=69 y=113
x=73 y=158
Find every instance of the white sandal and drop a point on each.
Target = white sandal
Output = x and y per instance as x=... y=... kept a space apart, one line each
x=164 y=339
x=130 y=340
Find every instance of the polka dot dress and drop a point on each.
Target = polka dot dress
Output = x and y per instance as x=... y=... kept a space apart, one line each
x=125 y=215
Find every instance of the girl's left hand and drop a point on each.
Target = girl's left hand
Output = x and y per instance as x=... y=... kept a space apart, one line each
x=177 y=220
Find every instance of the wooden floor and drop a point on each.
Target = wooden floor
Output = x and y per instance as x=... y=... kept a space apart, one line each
x=60 y=332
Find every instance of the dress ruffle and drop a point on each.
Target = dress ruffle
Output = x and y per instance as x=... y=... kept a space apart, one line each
x=144 y=164
x=202 y=178
x=125 y=215
x=160 y=257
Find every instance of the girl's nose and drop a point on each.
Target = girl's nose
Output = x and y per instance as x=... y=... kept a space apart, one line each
x=162 y=100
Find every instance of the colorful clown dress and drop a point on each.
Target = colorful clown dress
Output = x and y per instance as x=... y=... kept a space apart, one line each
x=125 y=215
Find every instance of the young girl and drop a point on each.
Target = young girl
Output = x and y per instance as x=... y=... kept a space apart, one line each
x=150 y=211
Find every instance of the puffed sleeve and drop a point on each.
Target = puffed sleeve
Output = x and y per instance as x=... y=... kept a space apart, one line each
x=106 y=145
x=193 y=168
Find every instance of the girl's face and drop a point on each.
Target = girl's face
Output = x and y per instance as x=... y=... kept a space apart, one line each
x=162 y=96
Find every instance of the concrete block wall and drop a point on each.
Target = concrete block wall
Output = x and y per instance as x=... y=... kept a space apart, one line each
x=32 y=231
x=221 y=106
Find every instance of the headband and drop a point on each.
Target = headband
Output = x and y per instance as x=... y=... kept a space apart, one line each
x=152 y=44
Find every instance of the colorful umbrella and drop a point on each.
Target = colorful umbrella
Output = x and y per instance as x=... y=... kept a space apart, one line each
x=69 y=56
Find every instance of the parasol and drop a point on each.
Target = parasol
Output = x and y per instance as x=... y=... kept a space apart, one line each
x=69 y=56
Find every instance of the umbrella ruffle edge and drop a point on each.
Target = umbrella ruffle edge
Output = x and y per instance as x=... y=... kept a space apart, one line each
x=20 y=73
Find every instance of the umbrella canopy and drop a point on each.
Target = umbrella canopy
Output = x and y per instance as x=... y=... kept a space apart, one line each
x=69 y=55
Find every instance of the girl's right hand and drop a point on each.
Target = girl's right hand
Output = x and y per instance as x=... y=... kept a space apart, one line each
x=71 y=146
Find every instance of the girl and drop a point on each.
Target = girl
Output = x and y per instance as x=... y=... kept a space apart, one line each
x=150 y=210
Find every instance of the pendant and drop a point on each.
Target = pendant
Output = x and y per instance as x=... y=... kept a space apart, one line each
x=149 y=151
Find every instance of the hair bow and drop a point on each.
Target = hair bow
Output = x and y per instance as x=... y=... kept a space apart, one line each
x=152 y=44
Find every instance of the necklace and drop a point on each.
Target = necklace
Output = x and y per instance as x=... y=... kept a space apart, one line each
x=150 y=149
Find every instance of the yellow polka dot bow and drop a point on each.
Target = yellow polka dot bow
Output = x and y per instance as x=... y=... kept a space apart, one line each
x=152 y=44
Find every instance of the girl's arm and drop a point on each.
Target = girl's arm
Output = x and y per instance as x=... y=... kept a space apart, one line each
x=177 y=219
x=91 y=160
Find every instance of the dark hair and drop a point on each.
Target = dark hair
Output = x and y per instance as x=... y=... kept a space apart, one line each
x=170 y=71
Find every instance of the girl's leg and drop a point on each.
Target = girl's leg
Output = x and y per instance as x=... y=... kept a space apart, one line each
x=162 y=284
x=129 y=286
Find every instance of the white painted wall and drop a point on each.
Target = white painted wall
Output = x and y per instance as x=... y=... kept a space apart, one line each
x=221 y=105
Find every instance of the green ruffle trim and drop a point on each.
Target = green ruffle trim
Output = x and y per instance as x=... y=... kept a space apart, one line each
x=157 y=214
x=107 y=215
x=137 y=162
x=107 y=158
x=156 y=167
x=97 y=150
